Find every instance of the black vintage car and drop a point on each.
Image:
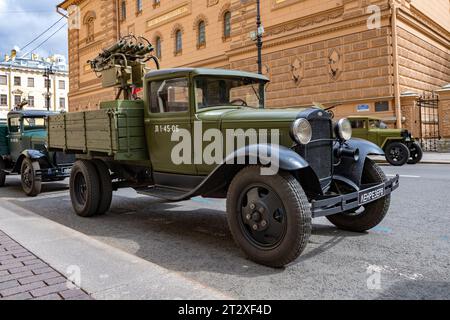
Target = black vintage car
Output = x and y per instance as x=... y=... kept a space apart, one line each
x=23 y=150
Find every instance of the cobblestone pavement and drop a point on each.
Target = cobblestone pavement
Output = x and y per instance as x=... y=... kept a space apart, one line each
x=24 y=276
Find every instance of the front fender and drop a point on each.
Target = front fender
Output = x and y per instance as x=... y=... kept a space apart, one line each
x=351 y=169
x=30 y=154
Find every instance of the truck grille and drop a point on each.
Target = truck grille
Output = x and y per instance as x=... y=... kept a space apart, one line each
x=319 y=153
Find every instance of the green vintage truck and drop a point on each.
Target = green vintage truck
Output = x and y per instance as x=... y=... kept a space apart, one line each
x=201 y=132
x=399 y=145
x=23 y=151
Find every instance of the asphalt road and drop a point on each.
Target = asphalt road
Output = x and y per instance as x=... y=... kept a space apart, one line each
x=405 y=257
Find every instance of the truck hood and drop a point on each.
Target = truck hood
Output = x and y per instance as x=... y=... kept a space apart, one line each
x=231 y=114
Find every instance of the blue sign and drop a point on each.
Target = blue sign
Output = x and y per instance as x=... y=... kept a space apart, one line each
x=363 y=108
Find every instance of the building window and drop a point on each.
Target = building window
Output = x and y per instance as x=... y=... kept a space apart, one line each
x=47 y=83
x=227 y=25
x=123 y=10
x=90 y=30
x=17 y=100
x=62 y=103
x=158 y=47
x=3 y=80
x=30 y=101
x=178 y=42
x=201 y=41
x=3 y=100
x=30 y=82
x=62 y=84
x=138 y=6
x=17 y=81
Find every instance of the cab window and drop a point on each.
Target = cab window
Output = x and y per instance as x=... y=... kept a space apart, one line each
x=358 y=124
x=169 y=96
x=33 y=123
x=14 y=125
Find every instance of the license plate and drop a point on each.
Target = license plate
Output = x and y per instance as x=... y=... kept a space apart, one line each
x=371 y=194
x=66 y=170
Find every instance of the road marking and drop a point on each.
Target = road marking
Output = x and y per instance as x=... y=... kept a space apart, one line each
x=404 y=176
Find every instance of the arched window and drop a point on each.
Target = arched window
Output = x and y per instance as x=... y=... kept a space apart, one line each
x=158 y=47
x=178 y=41
x=90 y=30
x=201 y=34
x=227 y=24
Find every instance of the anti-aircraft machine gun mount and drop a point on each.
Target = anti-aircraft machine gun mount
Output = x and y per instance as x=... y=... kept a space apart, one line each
x=123 y=65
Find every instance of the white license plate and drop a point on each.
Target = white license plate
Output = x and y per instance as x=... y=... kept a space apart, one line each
x=371 y=194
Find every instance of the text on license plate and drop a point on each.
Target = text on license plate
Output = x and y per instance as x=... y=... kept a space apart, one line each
x=371 y=194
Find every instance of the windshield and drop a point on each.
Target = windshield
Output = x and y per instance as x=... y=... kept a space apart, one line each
x=32 y=123
x=216 y=92
x=377 y=124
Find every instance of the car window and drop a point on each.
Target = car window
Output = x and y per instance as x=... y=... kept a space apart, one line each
x=32 y=123
x=169 y=96
x=14 y=125
x=358 y=124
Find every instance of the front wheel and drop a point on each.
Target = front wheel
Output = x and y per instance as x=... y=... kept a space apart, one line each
x=416 y=153
x=371 y=214
x=397 y=153
x=84 y=188
x=269 y=216
x=31 y=180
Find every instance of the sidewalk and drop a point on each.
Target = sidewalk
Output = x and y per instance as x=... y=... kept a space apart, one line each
x=428 y=158
x=24 y=276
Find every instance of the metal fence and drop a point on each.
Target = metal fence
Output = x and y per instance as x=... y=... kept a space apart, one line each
x=429 y=121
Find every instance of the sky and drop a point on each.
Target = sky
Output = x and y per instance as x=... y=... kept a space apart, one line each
x=23 y=20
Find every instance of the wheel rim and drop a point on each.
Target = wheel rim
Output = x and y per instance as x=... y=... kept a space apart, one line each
x=262 y=216
x=397 y=154
x=27 y=176
x=80 y=188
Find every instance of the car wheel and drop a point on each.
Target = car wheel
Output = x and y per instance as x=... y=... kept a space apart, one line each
x=2 y=173
x=397 y=153
x=84 y=188
x=416 y=153
x=369 y=215
x=269 y=216
x=31 y=181
x=106 y=188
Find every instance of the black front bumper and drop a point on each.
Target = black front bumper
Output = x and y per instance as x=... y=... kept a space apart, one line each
x=342 y=203
x=62 y=171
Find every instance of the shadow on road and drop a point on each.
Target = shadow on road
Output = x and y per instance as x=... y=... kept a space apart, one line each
x=176 y=236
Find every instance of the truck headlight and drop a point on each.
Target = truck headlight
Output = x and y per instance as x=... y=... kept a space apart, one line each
x=343 y=129
x=301 y=131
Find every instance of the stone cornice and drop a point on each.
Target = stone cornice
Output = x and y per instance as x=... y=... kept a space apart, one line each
x=66 y=4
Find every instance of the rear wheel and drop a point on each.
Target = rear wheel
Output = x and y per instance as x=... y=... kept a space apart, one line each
x=416 y=153
x=397 y=153
x=105 y=186
x=371 y=214
x=84 y=188
x=269 y=216
x=31 y=181
x=2 y=173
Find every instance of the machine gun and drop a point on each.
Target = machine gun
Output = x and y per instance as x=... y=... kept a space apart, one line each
x=123 y=65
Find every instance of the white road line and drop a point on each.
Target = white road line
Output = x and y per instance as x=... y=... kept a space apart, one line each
x=404 y=176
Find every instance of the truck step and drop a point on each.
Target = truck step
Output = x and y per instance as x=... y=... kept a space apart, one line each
x=165 y=193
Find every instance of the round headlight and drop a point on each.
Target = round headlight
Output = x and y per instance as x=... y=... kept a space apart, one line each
x=302 y=131
x=344 y=129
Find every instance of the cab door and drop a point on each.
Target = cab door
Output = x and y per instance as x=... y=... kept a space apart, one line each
x=360 y=128
x=15 y=127
x=168 y=123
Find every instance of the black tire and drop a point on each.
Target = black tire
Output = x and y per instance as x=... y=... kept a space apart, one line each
x=397 y=154
x=106 y=188
x=84 y=188
x=2 y=173
x=373 y=212
x=416 y=153
x=31 y=182
x=292 y=217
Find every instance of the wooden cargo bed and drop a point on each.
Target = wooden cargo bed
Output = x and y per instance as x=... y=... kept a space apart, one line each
x=116 y=130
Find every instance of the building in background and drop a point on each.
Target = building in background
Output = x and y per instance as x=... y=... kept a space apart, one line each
x=374 y=57
x=23 y=79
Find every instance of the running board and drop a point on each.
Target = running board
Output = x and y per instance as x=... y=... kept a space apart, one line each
x=165 y=193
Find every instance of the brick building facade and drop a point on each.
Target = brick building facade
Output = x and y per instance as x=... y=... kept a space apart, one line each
x=330 y=51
